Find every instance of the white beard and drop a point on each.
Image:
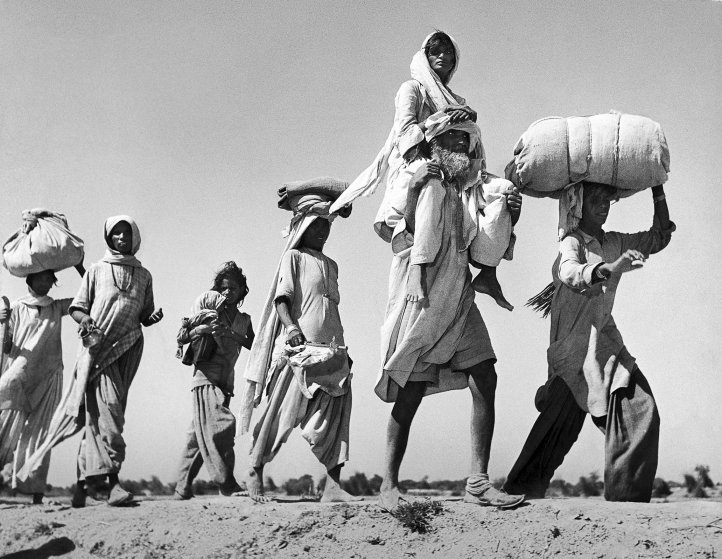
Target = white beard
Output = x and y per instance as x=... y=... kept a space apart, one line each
x=455 y=165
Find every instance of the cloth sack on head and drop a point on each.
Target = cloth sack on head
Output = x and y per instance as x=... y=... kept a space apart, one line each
x=323 y=188
x=49 y=245
x=628 y=152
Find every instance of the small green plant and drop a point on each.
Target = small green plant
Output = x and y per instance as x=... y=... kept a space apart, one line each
x=417 y=516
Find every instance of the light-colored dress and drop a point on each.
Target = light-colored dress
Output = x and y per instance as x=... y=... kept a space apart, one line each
x=118 y=298
x=31 y=384
x=428 y=342
x=308 y=279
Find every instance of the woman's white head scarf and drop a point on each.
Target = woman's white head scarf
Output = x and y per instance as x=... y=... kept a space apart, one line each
x=112 y=256
x=439 y=94
x=570 y=209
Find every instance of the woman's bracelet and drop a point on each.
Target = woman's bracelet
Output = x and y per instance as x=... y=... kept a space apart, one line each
x=659 y=198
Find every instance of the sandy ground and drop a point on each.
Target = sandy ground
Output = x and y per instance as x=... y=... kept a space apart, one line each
x=218 y=527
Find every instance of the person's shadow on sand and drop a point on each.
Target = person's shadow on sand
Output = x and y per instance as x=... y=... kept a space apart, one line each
x=53 y=548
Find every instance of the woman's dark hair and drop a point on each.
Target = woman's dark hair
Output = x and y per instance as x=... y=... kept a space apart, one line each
x=31 y=277
x=438 y=39
x=230 y=271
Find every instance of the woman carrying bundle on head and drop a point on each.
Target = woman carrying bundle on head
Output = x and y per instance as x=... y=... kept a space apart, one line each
x=299 y=359
x=217 y=331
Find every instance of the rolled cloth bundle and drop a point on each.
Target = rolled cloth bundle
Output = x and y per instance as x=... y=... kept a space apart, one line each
x=293 y=194
x=626 y=151
x=44 y=242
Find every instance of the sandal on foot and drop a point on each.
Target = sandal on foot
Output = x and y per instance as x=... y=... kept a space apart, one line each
x=119 y=496
x=481 y=492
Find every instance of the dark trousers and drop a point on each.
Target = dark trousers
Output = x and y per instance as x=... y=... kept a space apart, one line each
x=631 y=446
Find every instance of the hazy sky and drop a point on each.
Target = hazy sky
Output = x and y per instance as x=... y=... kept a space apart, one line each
x=189 y=115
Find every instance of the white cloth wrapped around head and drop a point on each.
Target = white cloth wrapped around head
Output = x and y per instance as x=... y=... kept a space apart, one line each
x=440 y=122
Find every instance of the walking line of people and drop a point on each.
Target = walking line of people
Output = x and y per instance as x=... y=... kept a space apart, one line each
x=442 y=214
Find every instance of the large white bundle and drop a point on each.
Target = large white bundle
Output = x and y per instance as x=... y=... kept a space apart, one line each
x=49 y=245
x=626 y=151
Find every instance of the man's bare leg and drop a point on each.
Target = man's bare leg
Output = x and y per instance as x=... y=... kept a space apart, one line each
x=397 y=437
x=486 y=282
x=332 y=492
x=482 y=383
x=256 y=490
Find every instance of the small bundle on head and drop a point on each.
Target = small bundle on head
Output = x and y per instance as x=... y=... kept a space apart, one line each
x=628 y=152
x=44 y=242
x=312 y=197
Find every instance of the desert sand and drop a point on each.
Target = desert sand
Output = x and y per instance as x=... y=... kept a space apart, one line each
x=225 y=527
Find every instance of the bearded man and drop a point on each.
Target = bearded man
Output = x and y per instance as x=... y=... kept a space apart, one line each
x=433 y=338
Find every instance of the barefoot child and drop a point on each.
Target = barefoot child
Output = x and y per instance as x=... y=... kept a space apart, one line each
x=116 y=296
x=210 y=437
x=32 y=379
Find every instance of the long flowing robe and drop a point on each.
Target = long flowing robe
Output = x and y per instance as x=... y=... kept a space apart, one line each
x=429 y=341
x=118 y=298
x=30 y=385
x=320 y=404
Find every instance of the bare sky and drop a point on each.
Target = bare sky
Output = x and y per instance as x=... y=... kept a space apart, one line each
x=189 y=115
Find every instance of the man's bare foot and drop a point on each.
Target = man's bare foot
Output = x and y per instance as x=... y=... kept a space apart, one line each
x=255 y=487
x=415 y=288
x=389 y=497
x=332 y=493
x=486 y=282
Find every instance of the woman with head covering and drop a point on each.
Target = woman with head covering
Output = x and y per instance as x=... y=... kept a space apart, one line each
x=299 y=358
x=211 y=435
x=421 y=103
x=116 y=297
x=31 y=378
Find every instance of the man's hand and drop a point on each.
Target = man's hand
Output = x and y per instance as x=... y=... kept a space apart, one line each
x=427 y=171
x=155 y=318
x=513 y=204
x=5 y=313
x=629 y=261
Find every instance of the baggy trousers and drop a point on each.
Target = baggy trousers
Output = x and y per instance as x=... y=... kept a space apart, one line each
x=630 y=448
x=209 y=440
